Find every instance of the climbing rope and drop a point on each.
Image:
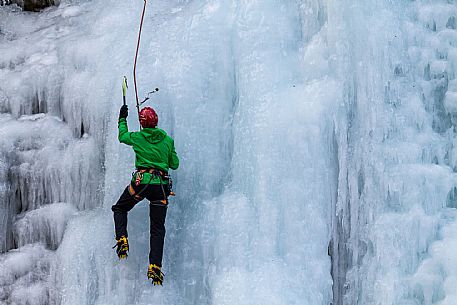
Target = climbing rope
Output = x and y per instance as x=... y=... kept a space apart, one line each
x=124 y=81
x=136 y=57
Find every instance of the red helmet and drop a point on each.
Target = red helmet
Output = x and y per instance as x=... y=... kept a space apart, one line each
x=148 y=118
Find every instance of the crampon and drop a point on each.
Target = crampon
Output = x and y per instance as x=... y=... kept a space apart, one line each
x=155 y=273
x=122 y=247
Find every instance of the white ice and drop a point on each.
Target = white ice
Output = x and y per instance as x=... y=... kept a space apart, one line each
x=299 y=124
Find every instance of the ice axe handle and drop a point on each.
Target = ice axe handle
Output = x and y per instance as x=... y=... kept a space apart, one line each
x=124 y=89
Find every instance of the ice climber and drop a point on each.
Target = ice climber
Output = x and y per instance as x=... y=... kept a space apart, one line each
x=155 y=154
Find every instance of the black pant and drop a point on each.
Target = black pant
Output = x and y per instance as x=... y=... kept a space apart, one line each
x=157 y=213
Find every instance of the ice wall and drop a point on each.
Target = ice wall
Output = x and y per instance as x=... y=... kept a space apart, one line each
x=51 y=144
x=300 y=125
x=247 y=106
x=397 y=154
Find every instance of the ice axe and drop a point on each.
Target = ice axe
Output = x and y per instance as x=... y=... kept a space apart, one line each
x=124 y=89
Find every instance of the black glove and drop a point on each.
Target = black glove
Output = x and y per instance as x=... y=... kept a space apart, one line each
x=123 y=114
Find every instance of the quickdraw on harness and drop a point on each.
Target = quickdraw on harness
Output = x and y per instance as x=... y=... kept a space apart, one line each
x=155 y=173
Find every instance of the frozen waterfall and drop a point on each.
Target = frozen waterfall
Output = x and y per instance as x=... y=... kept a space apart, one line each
x=317 y=141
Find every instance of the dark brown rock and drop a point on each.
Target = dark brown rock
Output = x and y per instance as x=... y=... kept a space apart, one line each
x=35 y=5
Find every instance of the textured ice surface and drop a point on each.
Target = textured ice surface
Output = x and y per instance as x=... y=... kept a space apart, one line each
x=401 y=151
x=24 y=276
x=43 y=224
x=51 y=149
x=297 y=123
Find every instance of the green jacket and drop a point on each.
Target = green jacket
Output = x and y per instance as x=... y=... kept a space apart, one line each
x=153 y=149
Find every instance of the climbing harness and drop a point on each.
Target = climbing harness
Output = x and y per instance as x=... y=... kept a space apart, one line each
x=139 y=175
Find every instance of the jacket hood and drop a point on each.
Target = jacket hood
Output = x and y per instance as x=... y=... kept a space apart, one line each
x=154 y=135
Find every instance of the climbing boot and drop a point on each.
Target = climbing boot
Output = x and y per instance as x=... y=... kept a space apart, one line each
x=122 y=247
x=155 y=273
